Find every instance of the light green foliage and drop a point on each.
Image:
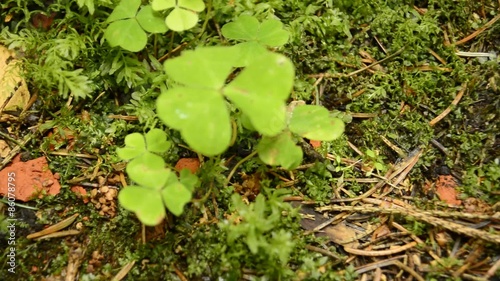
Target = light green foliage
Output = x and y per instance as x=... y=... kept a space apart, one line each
x=184 y=15
x=198 y=108
x=280 y=150
x=57 y=68
x=255 y=36
x=261 y=90
x=127 y=26
x=157 y=186
x=137 y=145
x=255 y=223
x=313 y=122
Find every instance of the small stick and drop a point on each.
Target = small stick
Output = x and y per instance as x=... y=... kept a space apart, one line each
x=477 y=32
x=449 y=108
x=382 y=252
x=323 y=251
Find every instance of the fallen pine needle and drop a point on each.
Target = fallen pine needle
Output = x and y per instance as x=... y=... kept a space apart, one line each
x=449 y=108
x=380 y=253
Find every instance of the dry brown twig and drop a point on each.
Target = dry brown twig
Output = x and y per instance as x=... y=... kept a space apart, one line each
x=421 y=216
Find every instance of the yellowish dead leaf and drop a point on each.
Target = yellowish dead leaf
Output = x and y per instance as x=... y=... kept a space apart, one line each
x=12 y=85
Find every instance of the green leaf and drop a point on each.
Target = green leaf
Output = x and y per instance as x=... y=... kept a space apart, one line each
x=134 y=146
x=280 y=150
x=264 y=101
x=188 y=180
x=146 y=203
x=180 y=19
x=203 y=67
x=126 y=9
x=194 y=5
x=148 y=170
x=200 y=114
x=127 y=34
x=247 y=28
x=272 y=34
x=156 y=141
x=159 y=5
x=175 y=196
x=248 y=51
x=151 y=21
x=243 y=28
x=89 y=3
x=314 y=122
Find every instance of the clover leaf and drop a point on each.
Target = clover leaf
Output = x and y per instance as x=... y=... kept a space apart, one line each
x=159 y=188
x=260 y=91
x=175 y=196
x=247 y=28
x=146 y=203
x=204 y=67
x=314 y=122
x=184 y=15
x=136 y=144
x=127 y=26
x=148 y=170
x=156 y=141
x=201 y=115
x=269 y=33
x=197 y=108
x=280 y=150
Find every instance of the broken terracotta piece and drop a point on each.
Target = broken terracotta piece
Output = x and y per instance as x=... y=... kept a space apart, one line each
x=446 y=190
x=28 y=180
x=192 y=164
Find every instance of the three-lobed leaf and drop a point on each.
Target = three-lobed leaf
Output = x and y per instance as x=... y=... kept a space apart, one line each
x=156 y=141
x=184 y=15
x=258 y=36
x=247 y=28
x=126 y=25
x=135 y=145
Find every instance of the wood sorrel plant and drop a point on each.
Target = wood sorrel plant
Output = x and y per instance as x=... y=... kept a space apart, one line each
x=199 y=106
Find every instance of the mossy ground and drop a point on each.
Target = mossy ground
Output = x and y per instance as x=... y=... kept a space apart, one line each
x=328 y=42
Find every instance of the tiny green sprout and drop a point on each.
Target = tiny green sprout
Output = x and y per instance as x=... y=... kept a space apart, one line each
x=127 y=26
x=255 y=36
x=184 y=15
